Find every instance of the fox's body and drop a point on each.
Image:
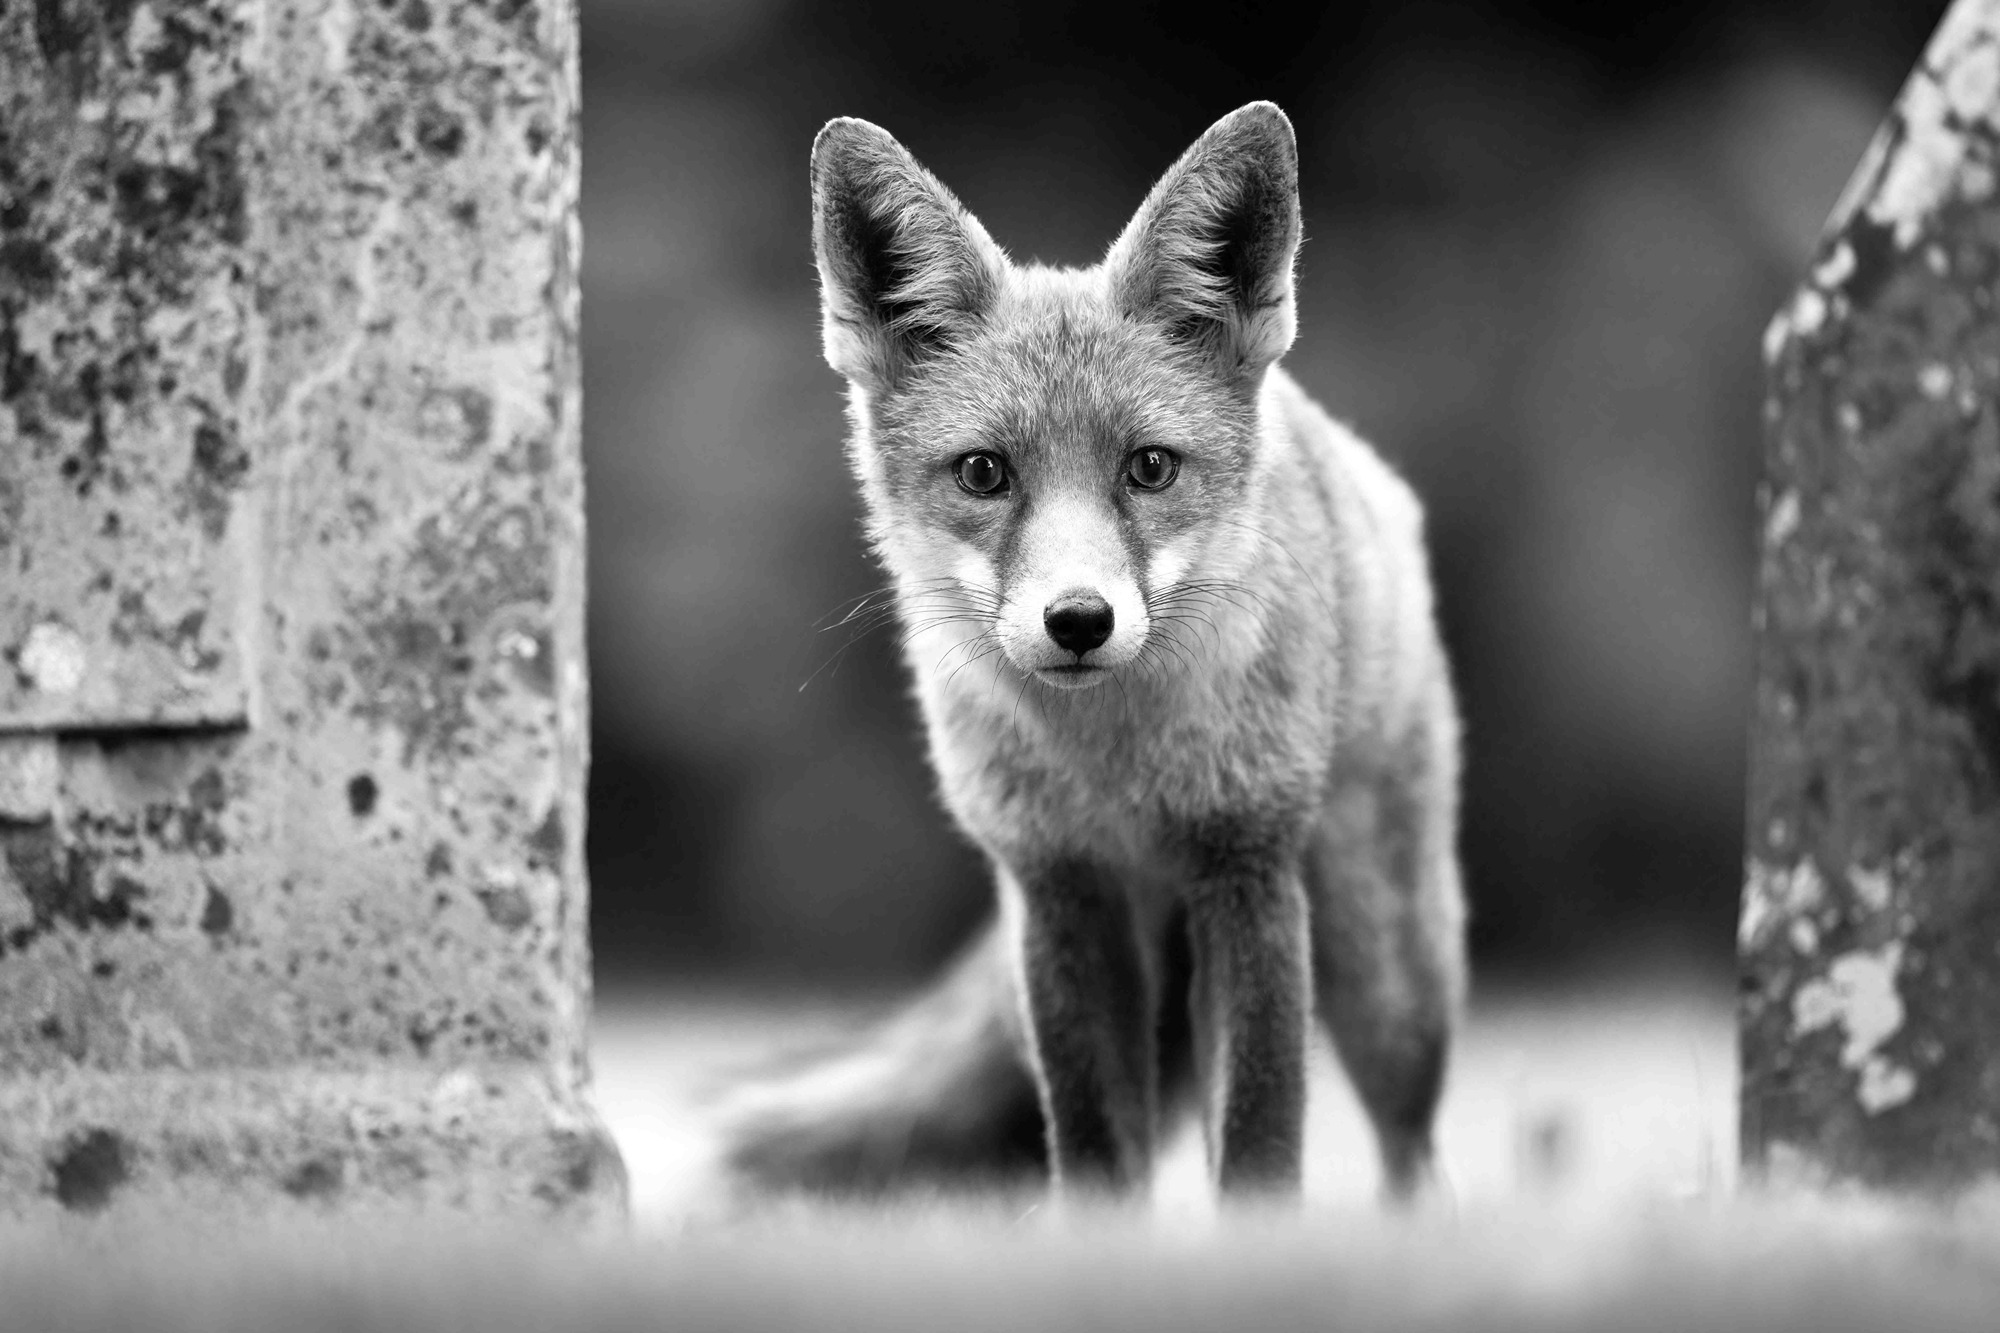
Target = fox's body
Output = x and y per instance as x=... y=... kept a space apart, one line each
x=1171 y=629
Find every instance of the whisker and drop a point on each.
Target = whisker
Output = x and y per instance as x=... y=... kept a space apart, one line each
x=921 y=605
x=855 y=605
x=979 y=656
x=963 y=644
x=1256 y=531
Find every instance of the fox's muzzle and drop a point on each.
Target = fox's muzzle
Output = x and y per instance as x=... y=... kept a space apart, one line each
x=1073 y=610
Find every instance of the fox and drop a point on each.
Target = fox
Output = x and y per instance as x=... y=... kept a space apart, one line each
x=1171 y=630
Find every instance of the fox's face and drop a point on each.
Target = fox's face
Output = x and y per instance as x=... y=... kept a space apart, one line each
x=1051 y=458
x=1063 y=475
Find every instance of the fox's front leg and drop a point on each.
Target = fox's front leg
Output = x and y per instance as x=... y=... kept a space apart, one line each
x=1252 y=998
x=1086 y=991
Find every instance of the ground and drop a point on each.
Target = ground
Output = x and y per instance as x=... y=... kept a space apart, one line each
x=1614 y=1090
x=1587 y=1143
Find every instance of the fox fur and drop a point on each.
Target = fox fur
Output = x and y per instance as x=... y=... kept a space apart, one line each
x=1204 y=730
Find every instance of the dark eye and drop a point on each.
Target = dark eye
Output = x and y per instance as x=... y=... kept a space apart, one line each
x=982 y=474
x=1153 y=469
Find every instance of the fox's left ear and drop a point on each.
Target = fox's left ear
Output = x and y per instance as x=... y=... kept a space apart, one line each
x=1209 y=254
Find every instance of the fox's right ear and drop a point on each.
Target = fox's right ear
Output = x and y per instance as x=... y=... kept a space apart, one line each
x=904 y=270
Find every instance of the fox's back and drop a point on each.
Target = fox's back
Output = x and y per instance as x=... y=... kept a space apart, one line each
x=1367 y=526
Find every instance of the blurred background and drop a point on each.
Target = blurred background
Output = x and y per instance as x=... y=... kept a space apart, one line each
x=1542 y=245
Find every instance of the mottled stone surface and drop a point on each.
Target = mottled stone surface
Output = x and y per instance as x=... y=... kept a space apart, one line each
x=123 y=361
x=1870 y=944
x=292 y=694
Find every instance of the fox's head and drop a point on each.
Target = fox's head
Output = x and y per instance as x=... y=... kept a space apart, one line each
x=1055 y=455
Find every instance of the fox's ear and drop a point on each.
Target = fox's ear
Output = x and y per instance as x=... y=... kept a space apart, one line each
x=1209 y=254
x=904 y=270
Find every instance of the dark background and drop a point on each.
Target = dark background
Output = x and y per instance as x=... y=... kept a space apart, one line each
x=1542 y=245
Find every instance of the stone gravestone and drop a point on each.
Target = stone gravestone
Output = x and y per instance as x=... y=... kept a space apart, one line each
x=292 y=693
x=1870 y=939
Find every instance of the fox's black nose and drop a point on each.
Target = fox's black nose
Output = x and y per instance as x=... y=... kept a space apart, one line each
x=1078 y=621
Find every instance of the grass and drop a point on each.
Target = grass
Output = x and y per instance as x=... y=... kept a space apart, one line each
x=1620 y=1092
x=1745 y=1263
x=1587 y=1143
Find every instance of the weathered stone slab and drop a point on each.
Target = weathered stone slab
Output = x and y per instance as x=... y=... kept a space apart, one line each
x=292 y=692
x=123 y=356
x=1870 y=941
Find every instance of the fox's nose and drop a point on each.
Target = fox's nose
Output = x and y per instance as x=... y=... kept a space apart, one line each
x=1078 y=621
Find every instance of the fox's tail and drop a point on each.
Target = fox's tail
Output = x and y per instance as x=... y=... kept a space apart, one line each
x=937 y=1094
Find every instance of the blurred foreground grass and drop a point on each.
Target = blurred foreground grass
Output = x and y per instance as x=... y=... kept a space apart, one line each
x=1587 y=1142
x=1632 y=1264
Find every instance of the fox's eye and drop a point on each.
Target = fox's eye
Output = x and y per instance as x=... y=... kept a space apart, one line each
x=982 y=474
x=1153 y=469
